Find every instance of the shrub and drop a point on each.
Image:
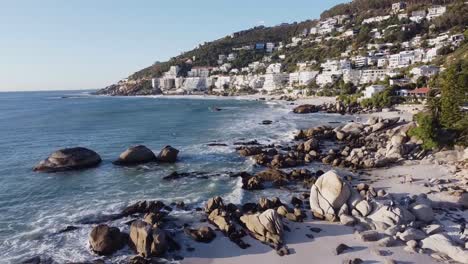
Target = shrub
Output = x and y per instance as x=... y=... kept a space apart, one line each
x=426 y=130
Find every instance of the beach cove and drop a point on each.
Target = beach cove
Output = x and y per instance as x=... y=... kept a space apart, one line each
x=207 y=132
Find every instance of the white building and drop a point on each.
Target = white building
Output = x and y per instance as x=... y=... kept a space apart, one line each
x=275 y=81
x=373 y=89
x=375 y=19
x=425 y=70
x=302 y=78
x=270 y=47
x=352 y=76
x=435 y=11
x=195 y=84
x=231 y=57
x=397 y=7
x=418 y=16
x=382 y=62
x=199 y=72
x=328 y=77
x=373 y=75
x=274 y=68
x=360 y=61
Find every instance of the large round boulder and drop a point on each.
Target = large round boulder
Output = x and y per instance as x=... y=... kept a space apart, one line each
x=146 y=240
x=168 y=154
x=328 y=196
x=69 y=159
x=136 y=155
x=105 y=240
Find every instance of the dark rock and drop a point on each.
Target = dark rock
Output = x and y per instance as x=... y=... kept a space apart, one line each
x=305 y=109
x=203 y=234
x=136 y=155
x=168 y=154
x=105 y=240
x=69 y=159
x=341 y=248
x=267 y=122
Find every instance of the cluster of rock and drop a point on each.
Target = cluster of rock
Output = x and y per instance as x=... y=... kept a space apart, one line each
x=147 y=237
x=376 y=143
x=82 y=158
x=333 y=108
x=381 y=219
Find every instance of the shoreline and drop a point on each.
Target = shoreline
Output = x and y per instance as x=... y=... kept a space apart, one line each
x=302 y=248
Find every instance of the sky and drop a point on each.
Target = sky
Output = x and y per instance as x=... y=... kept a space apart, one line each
x=89 y=44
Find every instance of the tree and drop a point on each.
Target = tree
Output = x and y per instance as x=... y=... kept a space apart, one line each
x=454 y=90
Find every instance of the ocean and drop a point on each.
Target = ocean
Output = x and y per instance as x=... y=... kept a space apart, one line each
x=35 y=206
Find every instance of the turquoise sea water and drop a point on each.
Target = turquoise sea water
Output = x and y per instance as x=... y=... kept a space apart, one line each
x=34 y=206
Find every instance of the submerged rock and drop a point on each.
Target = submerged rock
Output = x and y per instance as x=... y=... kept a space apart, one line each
x=69 y=159
x=136 y=155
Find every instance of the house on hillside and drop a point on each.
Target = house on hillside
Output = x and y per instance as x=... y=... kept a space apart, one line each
x=419 y=92
x=425 y=70
x=397 y=7
x=435 y=11
x=373 y=89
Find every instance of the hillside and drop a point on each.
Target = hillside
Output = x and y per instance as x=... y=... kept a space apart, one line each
x=207 y=53
x=295 y=44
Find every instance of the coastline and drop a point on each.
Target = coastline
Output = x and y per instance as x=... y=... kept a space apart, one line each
x=321 y=247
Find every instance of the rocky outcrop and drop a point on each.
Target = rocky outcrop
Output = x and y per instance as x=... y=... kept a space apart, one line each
x=266 y=227
x=69 y=159
x=105 y=240
x=136 y=155
x=147 y=240
x=168 y=154
x=328 y=196
x=392 y=215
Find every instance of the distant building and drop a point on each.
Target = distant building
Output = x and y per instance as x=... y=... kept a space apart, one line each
x=259 y=46
x=373 y=75
x=419 y=92
x=302 y=77
x=269 y=47
x=418 y=16
x=425 y=70
x=397 y=7
x=373 y=89
x=435 y=11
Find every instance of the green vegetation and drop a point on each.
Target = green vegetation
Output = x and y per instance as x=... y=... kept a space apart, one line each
x=426 y=130
x=445 y=123
x=386 y=98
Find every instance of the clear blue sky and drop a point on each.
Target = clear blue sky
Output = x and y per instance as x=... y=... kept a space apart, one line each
x=87 y=44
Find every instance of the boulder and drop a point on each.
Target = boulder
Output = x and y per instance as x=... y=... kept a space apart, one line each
x=370 y=235
x=266 y=227
x=305 y=109
x=203 y=234
x=105 y=240
x=359 y=206
x=328 y=195
x=220 y=219
x=252 y=183
x=140 y=237
x=271 y=175
x=422 y=212
x=392 y=216
x=214 y=203
x=250 y=151
x=136 y=155
x=168 y=154
x=411 y=234
x=442 y=244
x=69 y=159
x=311 y=144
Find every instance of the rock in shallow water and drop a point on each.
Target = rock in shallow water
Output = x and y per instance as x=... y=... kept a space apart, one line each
x=105 y=240
x=136 y=155
x=168 y=154
x=69 y=159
